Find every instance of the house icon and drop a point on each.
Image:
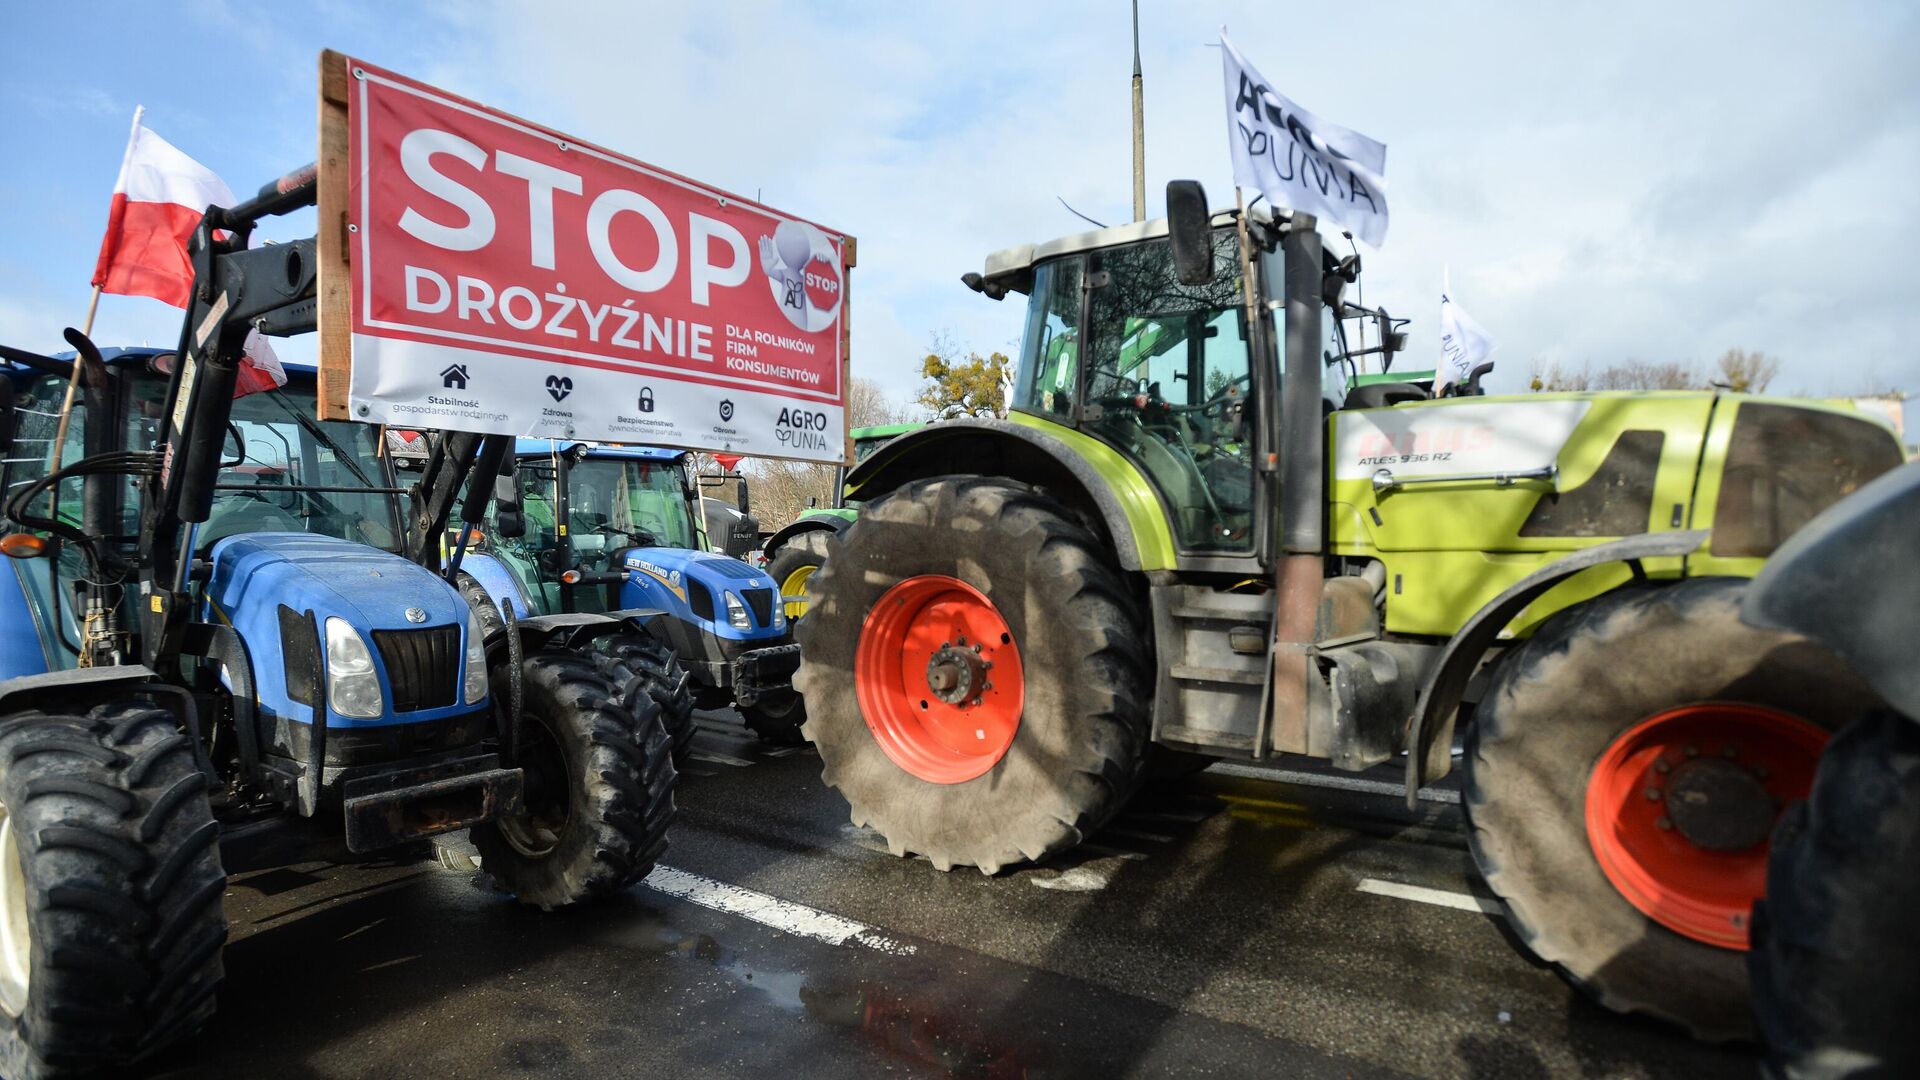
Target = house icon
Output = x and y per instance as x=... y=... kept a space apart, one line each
x=454 y=377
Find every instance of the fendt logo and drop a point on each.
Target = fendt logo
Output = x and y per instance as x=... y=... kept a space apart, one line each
x=801 y=428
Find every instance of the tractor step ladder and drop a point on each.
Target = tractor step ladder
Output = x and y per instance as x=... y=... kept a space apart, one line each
x=1214 y=648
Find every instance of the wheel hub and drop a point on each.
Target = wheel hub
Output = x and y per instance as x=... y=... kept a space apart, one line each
x=954 y=673
x=939 y=679
x=1719 y=805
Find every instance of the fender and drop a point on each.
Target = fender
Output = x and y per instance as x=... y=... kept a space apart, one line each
x=569 y=630
x=1430 y=730
x=815 y=521
x=75 y=689
x=1115 y=494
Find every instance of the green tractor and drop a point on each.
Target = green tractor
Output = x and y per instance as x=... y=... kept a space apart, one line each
x=1187 y=542
x=795 y=552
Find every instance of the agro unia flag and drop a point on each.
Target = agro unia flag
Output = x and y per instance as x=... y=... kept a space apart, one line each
x=1463 y=344
x=1298 y=160
x=157 y=203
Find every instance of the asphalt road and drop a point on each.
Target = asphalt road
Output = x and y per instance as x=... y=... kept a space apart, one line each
x=1227 y=924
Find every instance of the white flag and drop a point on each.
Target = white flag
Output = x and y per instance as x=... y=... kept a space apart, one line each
x=1298 y=160
x=1463 y=344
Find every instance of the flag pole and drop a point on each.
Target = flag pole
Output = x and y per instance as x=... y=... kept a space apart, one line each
x=86 y=328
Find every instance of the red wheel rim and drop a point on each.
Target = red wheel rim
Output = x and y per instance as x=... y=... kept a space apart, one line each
x=938 y=679
x=1680 y=806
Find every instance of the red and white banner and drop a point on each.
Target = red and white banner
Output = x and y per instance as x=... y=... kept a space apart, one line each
x=157 y=203
x=512 y=280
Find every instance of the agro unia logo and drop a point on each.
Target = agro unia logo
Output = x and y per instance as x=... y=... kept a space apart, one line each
x=804 y=273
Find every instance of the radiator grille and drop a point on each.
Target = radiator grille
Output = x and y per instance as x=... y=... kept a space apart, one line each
x=423 y=666
x=761 y=602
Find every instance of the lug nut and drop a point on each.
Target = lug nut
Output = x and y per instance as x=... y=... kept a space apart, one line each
x=1664 y=823
x=1729 y=753
x=1660 y=766
x=1693 y=751
x=1653 y=794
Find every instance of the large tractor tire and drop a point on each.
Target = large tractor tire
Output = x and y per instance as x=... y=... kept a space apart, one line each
x=110 y=887
x=792 y=568
x=643 y=669
x=777 y=718
x=1623 y=772
x=977 y=674
x=1835 y=985
x=598 y=793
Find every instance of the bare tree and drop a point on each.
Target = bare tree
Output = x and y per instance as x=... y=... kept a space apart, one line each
x=782 y=490
x=1625 y=375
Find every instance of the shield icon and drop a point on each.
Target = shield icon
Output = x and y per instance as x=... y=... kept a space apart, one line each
x=726 y=410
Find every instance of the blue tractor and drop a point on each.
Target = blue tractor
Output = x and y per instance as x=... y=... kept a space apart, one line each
x=618 y=531
x=219 y=652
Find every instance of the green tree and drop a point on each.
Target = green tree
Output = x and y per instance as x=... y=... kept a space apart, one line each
x=956 y=387
x=1745 y=372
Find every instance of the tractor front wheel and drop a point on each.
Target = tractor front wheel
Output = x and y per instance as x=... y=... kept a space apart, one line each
x=777 y=718
x=643 y=668
x=977 y=674
x=110 y=885
x=1623 y=773
x=597 y=795
x=792 y=568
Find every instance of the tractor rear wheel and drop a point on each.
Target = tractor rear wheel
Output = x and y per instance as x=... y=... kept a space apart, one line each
x=977 y=674
x=641 y=667
x=110 y=887
x=598 y=793
x=1623 y=772
x=793 y=566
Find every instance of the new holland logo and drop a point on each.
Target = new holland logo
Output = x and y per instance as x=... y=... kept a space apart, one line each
x=726 y=410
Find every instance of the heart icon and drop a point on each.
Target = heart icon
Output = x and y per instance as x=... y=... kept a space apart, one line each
x=559 y=386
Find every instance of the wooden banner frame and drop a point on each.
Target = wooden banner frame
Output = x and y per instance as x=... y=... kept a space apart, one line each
x=333 y=275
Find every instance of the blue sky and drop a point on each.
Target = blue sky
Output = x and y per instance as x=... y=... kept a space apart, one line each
x=1633 y=180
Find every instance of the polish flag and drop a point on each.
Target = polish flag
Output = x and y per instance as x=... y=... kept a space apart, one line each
x=158 y=201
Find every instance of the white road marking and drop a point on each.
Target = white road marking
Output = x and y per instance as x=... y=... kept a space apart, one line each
x=782 y=915
x=698 y=754
x=1322 y=780
x=1423 y=895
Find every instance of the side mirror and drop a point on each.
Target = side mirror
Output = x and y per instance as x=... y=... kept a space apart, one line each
x=740 y=495
x=508 y=521
x=7 y=417
x=1190 y=232
x=813 y=502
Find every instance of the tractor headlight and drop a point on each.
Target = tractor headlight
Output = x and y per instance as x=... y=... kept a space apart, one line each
x=737 y=613
x=476 y=679
x=353 y=686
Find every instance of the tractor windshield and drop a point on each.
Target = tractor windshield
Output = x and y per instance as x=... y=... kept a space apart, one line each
x=631 y=503
x=286 y=471
x=1166 y=382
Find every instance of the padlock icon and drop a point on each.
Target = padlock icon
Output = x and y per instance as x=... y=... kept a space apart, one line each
x=646 y=399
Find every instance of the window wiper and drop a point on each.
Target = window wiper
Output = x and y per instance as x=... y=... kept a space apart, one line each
x=313 y=428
